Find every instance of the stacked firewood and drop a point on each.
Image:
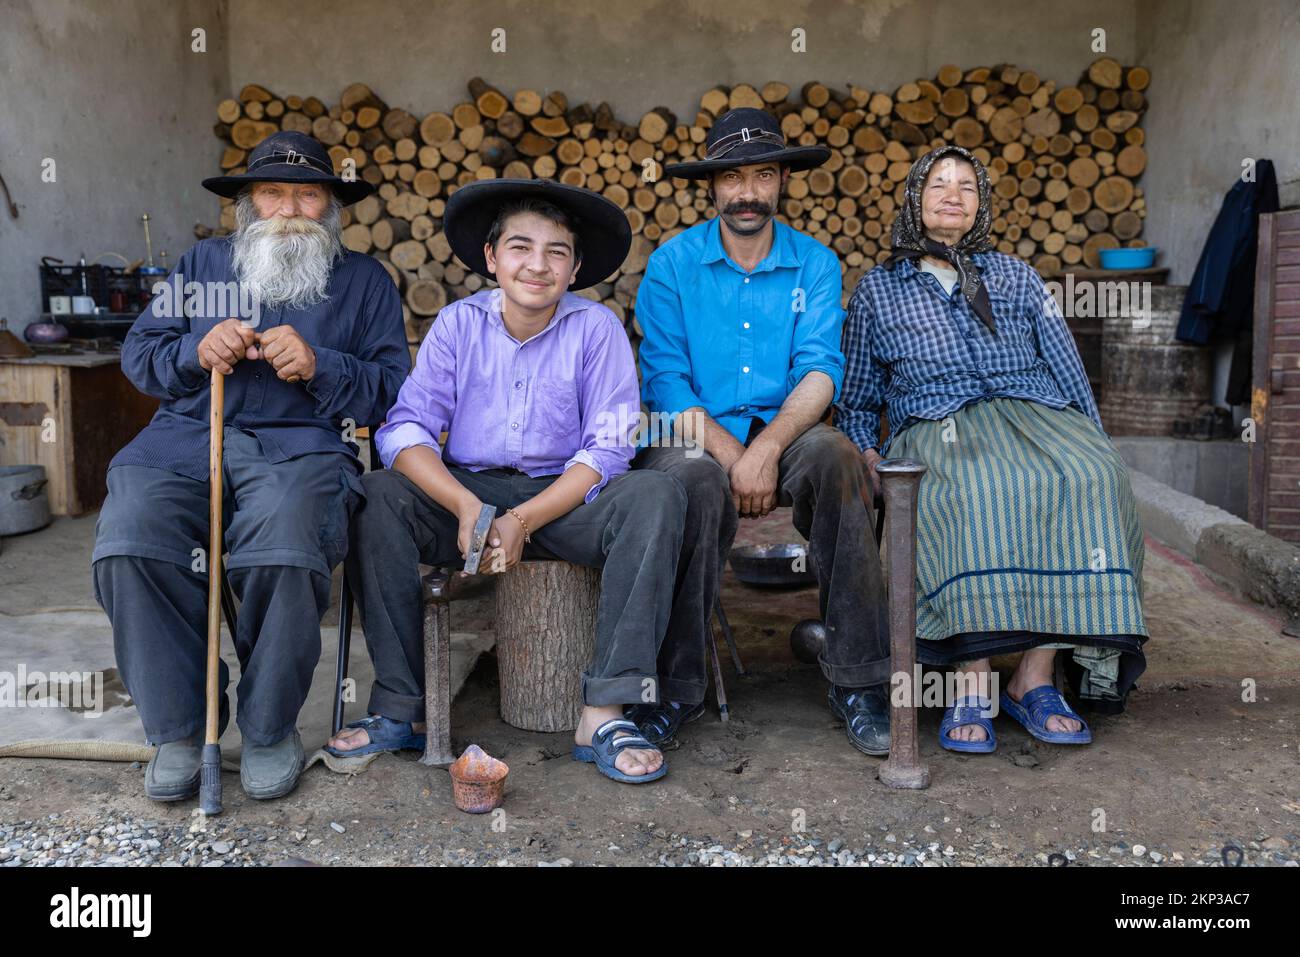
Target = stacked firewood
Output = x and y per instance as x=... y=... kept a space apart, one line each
x=1063 y=162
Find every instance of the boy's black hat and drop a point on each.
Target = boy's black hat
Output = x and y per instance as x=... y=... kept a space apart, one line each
x=602 y=229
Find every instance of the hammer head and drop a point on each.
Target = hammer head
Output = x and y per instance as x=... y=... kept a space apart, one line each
x=478 y=540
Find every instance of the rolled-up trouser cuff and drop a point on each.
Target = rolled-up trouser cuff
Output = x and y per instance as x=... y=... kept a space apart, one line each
x=396 y=707
x=857 y=676
x=689 y=693
x=625 y=689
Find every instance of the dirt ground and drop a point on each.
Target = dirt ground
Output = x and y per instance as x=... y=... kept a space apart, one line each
x=1189 y=768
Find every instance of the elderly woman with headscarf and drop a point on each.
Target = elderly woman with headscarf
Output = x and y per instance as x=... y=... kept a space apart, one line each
x=1028 y=537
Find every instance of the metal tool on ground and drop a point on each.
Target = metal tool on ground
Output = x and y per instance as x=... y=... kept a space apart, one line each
x=901 y=479
x=478 y=538
x=210 y=774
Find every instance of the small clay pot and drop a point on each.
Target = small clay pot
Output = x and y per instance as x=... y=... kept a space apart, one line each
x=478 y=781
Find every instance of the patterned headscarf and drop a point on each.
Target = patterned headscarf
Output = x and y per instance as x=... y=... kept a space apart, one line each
x=909 y=241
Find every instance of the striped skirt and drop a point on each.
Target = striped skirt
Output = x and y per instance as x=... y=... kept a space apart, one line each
x=1026 y=526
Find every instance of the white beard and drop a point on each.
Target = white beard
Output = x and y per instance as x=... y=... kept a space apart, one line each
x=283 y=261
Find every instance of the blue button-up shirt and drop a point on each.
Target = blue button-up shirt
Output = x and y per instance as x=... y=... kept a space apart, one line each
x=732 y=342
x=920 y=353
x=357 y=334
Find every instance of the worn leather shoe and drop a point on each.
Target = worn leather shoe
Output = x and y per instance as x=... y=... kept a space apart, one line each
x=173 y=771
x=271 y=771
x=865 y=713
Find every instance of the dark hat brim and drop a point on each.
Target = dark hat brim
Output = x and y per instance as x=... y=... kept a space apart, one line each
x=603 y=229
x=347 y=192
x=796 y=158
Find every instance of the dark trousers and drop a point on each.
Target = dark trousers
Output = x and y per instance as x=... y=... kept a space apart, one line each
x=285 y=527
x=821 y=475
x=632 y=530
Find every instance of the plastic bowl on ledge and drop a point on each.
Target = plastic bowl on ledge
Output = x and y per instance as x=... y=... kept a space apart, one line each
x=1128 y=258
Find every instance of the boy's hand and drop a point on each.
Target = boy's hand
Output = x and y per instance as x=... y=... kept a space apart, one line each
x=467 y=518
x=506 y=538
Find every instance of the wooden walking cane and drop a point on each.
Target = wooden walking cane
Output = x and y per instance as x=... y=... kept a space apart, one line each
x=210 y=776
x=901 y=480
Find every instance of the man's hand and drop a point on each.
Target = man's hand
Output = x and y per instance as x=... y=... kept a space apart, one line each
x=507 y=540
x=754 y=478
x=287 y=352
x=872 y=459
x=225 y=344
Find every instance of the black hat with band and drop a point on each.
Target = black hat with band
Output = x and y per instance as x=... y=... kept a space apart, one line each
x=289 y=157
x=743 y=137
x=602 y=228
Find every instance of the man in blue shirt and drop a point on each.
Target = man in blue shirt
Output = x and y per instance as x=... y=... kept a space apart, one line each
x=742 y=320
x=316 y=349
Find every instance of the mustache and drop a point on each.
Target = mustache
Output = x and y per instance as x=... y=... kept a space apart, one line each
x=757 y=207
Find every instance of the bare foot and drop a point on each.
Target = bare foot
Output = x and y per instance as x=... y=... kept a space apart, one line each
x=973 y=678
x=349 y=739
x=633 y=761
x=1034 y=671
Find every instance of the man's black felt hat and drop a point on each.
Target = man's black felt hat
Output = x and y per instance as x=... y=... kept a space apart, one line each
x=602 y=228
x=742 y=137
x=289 y=157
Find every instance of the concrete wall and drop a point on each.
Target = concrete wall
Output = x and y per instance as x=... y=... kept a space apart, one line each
x=1215 y=472
x=113 y=94
x=1225 y=85
x=638 y=55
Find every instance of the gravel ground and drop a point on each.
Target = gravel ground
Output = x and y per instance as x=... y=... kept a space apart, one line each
x=119 y=840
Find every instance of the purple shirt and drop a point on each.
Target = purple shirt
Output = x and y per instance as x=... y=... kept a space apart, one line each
x=567 y=395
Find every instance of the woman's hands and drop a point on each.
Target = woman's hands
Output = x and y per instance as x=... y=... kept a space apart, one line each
x=872 y=459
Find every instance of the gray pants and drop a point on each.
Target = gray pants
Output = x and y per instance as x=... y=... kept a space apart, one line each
x=821 y=475
x=632 y=531
x=286 y=527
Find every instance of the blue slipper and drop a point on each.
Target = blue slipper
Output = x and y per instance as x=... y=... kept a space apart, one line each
x=1039 y=704
x=385 y=735
x=971 y=709
x=604 y=748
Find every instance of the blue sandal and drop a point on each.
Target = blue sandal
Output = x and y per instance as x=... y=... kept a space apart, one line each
x=604 y=749
x=385 y=735
x=1037 y=706
x=971 y=709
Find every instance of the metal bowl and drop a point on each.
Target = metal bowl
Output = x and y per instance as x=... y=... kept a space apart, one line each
x=773 y=566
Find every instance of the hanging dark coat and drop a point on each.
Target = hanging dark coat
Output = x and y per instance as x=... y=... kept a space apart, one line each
x=1221 y=298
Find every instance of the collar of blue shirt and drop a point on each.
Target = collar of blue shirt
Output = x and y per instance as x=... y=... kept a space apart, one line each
x=782 y=252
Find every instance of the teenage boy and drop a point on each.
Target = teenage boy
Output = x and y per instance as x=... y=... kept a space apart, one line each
x=537 y=390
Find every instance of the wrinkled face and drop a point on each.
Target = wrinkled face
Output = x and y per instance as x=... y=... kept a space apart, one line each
x=747 y=197
x=949 y=200
x=533 y=261
x=290 y=200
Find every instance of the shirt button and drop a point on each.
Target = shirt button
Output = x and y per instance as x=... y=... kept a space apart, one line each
x=746 y=279
x=519 y=385
x=514 y=425
x=746 y=325
x=745 y=369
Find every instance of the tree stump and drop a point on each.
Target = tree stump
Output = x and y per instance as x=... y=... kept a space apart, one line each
x=546 y=634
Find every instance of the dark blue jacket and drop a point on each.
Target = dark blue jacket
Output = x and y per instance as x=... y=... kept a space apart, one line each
x=1221 y=297
x=357 y=333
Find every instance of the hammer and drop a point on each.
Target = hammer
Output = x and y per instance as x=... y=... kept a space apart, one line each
x=901 y=479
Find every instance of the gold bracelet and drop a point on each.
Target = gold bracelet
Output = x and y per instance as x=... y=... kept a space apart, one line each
x=522 y=524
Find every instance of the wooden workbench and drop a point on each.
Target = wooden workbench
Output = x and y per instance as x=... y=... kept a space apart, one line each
x=70 y=412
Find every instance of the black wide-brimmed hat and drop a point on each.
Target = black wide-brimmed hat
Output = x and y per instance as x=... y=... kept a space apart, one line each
x=744 y=136
x=603 y=230
x=289 y=157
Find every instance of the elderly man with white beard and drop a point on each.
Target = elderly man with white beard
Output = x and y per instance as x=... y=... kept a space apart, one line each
x=318 y=348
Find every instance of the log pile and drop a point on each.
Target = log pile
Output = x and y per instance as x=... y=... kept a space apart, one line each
x=1063 y=160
